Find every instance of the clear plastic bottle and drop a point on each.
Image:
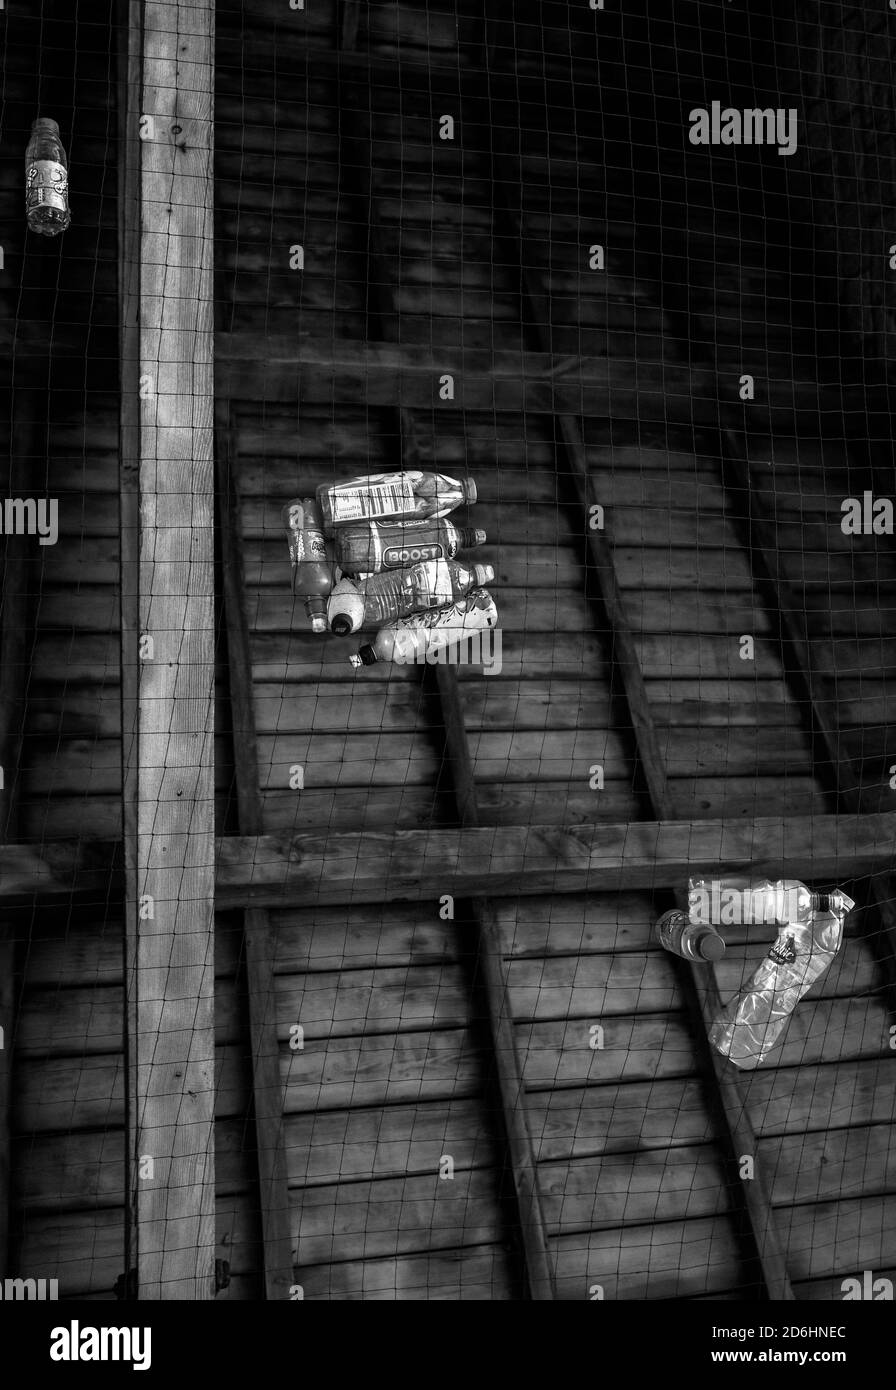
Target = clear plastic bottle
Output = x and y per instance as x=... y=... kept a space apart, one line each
x=398 y=593
x=751 y=1024
x=423 y=636
x=727 y=902
x=387 y=496
x=371 y=546
x=677 y=933
x=46 y=180
x=312 y=570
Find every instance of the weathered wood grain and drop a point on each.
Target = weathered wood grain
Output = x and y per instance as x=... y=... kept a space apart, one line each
x=337 y=867
x=168 y=595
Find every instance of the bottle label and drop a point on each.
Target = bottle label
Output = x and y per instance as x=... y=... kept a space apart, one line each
x=306 y=545
x=46 y=185
x=783 y=952
x=351 y=503
x=396 y=555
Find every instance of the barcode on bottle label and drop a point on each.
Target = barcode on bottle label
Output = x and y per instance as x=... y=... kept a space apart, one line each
x=353 y=503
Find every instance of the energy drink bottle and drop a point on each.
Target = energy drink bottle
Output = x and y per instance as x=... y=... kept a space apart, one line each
x=372 y=546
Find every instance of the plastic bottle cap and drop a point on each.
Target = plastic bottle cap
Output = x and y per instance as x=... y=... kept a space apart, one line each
x=355 y=661
x=484 y=574
x=46 y=123
x=341 y=625
x=479 y=537
x=318 y=624
x=366 y=655
x=469 y=490
x=710 y=947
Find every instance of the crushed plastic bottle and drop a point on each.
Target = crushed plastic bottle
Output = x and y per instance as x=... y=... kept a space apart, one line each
x=751 y=1024
x=734 y=901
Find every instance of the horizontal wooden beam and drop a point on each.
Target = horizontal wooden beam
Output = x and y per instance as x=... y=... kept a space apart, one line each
x=261 y=367
x=413 y=865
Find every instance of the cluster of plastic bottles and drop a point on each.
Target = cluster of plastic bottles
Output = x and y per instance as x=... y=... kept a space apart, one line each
x=378 y=552
x=809 y=935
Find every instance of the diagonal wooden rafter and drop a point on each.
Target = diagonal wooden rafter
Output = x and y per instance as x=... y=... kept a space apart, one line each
x=851 y=796
x=729 y=1086
x=258 y=937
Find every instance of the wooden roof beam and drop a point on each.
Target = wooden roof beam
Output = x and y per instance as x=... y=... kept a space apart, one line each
x=289 y=369
x=281 y=870
x=274 y=870
x=258 y=939
x=168 y=645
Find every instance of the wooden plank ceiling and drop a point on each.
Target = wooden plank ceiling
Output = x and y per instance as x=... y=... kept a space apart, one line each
x=470 y=256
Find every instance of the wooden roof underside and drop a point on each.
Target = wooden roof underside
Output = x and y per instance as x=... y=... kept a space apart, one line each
x=573 y=1167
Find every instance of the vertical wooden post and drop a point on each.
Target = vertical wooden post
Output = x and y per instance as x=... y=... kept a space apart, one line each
x=168 y=644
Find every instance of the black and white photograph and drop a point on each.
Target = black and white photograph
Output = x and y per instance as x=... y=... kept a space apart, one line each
x=447 y=677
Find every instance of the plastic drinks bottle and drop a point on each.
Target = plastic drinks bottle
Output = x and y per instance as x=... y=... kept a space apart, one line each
x=423 y=637
x=734 y=901
x=46 y=180
x=751 y=1024
x=312 y=571
x=398 y=593
x=679 y=934
x=384 y=496
x=371 y=546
